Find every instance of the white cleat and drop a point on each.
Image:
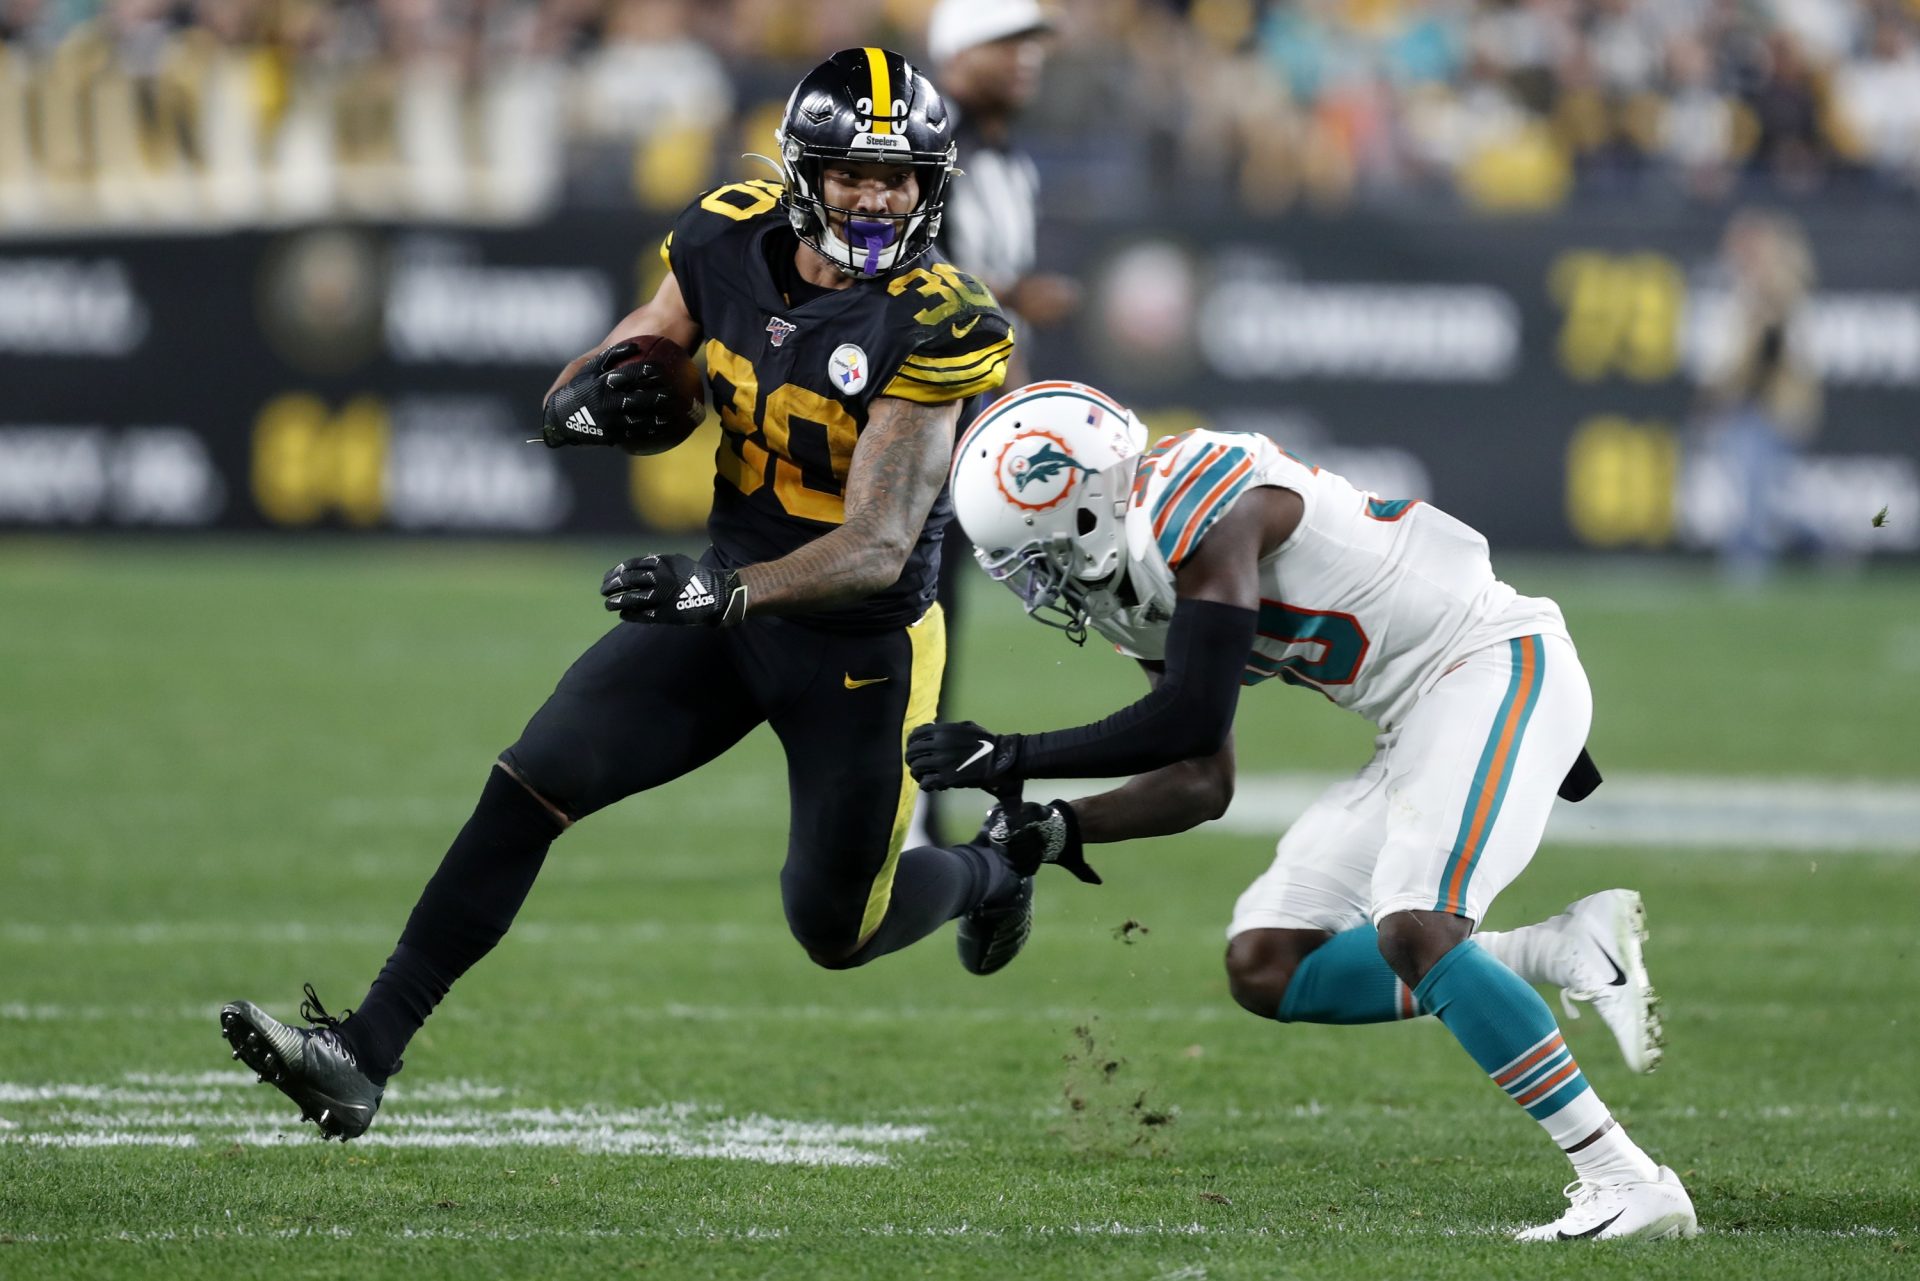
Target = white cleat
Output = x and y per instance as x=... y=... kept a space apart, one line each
x=1602 y=935
x=1649 y=1211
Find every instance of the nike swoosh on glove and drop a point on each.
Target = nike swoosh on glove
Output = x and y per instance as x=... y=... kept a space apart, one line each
x=948 y=754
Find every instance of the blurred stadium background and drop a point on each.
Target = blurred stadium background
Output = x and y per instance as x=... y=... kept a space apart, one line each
x=273 y=264
x=1631 y=285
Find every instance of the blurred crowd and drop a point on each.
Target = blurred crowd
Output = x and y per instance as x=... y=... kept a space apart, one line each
x=248 y=111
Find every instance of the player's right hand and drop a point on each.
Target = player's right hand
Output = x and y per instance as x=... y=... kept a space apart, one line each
x=608 y=403
x=1034 y=834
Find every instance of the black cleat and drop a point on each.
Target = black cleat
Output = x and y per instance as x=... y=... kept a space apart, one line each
x=310 y=1065
x=990 y=937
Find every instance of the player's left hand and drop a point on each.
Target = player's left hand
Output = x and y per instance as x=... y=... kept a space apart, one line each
x=1034 y=834
x=948 y=754
x=674 y=589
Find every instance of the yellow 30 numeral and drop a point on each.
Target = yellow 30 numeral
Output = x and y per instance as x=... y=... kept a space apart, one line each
x=761 y=432
x=951 y=289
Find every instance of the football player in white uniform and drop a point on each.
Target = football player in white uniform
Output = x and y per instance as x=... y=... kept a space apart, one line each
x=1220 y=560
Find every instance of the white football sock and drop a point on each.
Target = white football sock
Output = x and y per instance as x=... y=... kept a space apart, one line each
x=1611 y=1158
x=1534 y=952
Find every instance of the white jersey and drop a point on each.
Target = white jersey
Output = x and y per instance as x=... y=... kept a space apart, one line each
x=1369 y=601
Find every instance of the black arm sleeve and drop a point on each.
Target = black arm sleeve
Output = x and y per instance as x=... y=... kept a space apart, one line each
x=1187 y=715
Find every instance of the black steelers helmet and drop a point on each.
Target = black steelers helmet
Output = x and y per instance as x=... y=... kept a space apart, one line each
x=869 y=105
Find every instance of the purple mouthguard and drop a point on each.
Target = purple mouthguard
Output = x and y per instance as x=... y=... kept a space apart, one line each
x=872 y=236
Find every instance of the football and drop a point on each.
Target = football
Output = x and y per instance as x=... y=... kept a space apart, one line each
x=686 y=389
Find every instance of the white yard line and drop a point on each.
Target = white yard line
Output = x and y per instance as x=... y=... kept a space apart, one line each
x=220 y=1108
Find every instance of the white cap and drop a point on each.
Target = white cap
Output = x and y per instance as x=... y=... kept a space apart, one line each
x=959 y=25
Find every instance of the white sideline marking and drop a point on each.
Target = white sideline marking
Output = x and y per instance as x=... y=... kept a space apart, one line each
x=1666 y=810
x=163 y=1110
x=1635 y=809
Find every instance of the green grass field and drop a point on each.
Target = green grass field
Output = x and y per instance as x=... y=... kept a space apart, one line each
x=225 y=770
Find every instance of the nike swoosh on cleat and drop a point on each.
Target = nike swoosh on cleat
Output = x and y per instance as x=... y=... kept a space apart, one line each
x=986 y=746
x=871 y=680
x=1595 y=1230
x=1619 y=975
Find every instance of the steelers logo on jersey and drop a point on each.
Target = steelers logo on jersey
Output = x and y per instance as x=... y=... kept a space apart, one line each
x=848 y=368
x=1037 y=471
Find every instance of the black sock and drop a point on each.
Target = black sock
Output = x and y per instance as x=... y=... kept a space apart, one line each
x=462 y=913
x=933 y=885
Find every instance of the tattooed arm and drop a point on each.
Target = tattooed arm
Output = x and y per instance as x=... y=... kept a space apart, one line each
x=898 y=467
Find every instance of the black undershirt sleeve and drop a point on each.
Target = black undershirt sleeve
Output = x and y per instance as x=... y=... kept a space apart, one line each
x=1187 y=715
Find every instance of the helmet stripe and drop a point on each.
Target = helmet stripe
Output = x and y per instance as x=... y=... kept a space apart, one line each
x=1035 y=391
x=882 y=90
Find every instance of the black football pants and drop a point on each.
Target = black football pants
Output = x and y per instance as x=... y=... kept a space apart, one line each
x=648 y=703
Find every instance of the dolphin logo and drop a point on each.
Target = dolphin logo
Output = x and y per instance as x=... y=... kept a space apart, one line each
x=1044 y=464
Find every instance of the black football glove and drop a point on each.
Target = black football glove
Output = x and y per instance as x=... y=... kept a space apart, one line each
x=1034 y=834
x=674 y=589
x=950 y=754
x=630 y=407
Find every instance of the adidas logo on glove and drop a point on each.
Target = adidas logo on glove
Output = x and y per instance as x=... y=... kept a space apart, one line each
x=694 y=595
x=582 y=422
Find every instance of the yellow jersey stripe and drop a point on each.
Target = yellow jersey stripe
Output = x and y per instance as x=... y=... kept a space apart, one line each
x=942 y=377
x=973 y=357
x=925 y=393
x=909 y=375
x=882 y=90
x=666 y=250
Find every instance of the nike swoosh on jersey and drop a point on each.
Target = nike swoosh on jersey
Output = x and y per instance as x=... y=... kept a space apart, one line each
x=871 y=680
x=986 y=746
x=961 y=331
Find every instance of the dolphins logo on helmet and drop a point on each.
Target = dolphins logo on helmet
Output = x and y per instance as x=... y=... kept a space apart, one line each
x=1043 y=464
x=1037 y=470
x=1040 y=484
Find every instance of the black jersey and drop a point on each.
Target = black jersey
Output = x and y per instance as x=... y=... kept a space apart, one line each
x=793 y=378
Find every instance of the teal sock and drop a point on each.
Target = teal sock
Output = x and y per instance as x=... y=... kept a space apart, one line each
x=1345 y=980
x=1505 y=1026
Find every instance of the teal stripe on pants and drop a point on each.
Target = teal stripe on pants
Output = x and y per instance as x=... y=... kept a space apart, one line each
x=1495 y=771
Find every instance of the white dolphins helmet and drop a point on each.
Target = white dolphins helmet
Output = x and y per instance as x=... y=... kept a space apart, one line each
x=1040 y=484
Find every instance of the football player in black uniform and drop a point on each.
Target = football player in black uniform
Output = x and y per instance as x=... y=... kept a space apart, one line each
x=839 y=349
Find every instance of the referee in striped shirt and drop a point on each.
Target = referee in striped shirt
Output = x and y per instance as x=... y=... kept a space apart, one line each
x=987 y=57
